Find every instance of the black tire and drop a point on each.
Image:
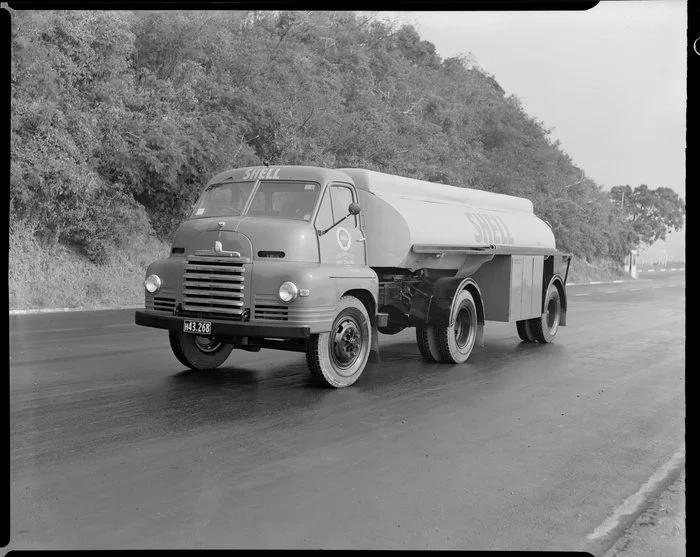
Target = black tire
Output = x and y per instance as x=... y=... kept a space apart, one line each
x=455 y=343
x=545 y=328
x=199 y=352
x=338 y=358
x=427 y=343
x=525 y=330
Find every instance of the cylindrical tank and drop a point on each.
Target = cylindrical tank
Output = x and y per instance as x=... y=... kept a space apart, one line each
x=405 y=219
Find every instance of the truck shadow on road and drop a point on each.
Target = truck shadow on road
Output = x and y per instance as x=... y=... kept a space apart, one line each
x=400 y=362
x=277 y=391
x=400 y=366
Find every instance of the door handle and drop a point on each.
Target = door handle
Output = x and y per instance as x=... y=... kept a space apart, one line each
x=361 y=239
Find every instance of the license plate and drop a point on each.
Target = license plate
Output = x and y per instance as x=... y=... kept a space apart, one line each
x=197 y=327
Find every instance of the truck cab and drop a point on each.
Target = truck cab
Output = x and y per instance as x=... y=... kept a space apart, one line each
x=263 y=261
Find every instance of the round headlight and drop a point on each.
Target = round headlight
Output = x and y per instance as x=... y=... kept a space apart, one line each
x=288 y=292
x=152 y=283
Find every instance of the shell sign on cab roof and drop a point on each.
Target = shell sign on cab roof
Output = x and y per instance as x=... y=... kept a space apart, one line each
x=264 y=172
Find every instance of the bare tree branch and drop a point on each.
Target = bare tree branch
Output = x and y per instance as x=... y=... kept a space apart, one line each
x=414 y=105
x=307 y=118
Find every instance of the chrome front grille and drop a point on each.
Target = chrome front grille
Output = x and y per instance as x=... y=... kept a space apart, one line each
x=213 y=285
x=274 y=313
x=163 y=304
x=163 y=301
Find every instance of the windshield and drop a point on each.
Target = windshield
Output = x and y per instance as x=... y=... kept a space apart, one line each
x=284 y=199
x=273 y=198
x=223 y=200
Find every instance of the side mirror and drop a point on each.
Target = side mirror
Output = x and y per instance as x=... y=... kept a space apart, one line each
x=353 y=209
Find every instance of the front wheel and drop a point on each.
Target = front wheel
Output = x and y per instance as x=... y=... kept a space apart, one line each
x=199 y=352
x=545 y=328
x=338 y=358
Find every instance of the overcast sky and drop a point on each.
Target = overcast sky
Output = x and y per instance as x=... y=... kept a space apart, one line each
x=611 y=81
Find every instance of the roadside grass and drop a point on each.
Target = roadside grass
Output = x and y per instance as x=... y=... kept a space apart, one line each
x=59 y=277
x=602 y=270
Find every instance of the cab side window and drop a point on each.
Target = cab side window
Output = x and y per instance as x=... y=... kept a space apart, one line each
x=342 y=197
x=324 y=219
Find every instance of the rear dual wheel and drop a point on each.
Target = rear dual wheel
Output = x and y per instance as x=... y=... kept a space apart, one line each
x=543 y=329
x=525 y=330
x=452 y=344
x=427 y=343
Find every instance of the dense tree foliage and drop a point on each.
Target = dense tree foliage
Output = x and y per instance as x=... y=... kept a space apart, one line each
x=648 y=214
x=119 y=118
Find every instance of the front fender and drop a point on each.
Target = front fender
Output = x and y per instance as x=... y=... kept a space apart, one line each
x=170 y=272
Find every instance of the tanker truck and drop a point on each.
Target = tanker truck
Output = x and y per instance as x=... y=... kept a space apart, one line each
x=321 y=261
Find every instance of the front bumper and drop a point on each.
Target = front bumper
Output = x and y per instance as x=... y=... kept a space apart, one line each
x=223 y=328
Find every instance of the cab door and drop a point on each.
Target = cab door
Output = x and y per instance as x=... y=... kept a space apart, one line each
x=343 y=244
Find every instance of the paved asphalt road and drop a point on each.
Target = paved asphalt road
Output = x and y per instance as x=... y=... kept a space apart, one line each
x=524 y=447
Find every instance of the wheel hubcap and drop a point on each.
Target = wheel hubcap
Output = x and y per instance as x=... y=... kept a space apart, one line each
x=553 y=315
x=347 y=341
x=463 y=327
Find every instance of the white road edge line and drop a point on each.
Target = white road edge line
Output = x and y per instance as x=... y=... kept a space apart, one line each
x=635 y=502
x=66 y=310
x=608 y=282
